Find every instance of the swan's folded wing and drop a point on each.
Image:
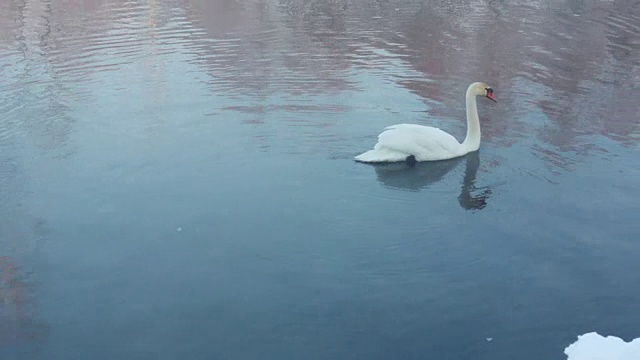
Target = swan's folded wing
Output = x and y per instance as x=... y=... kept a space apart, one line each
x=424 y=142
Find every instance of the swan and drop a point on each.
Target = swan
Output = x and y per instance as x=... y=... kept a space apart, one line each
x=411 y=143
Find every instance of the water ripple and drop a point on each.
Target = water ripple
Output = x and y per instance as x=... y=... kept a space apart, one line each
x=555 y=57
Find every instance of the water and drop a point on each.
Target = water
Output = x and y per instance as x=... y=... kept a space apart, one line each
x=177 y=179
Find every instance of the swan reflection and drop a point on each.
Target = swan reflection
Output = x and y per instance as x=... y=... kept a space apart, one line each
x=423 y=174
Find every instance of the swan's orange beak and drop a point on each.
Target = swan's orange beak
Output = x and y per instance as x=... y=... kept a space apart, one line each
x=490 y=95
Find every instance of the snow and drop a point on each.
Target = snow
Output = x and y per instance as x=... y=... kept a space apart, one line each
x=593 y=346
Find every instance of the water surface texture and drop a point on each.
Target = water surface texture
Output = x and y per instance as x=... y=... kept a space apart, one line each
x=177 y=179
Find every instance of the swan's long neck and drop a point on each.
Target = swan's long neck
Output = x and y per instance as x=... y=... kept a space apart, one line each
x=472 y=140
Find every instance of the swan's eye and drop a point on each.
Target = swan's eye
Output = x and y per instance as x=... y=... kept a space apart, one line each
x=489 y=90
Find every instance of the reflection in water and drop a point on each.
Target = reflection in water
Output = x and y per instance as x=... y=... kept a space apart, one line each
x=48 y=121
x=421 y=175
x=569 y=62
x=415 y=177
x=20 y=330
x=467 y=199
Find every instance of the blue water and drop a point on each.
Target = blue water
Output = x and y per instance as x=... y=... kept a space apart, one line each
x=177 y=180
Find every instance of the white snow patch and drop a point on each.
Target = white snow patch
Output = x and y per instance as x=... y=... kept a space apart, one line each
x=592 y=346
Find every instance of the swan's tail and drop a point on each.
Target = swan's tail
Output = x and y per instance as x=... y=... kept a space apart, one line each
x=381 y=156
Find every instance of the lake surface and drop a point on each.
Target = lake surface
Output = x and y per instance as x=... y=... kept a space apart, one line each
x=177 y=179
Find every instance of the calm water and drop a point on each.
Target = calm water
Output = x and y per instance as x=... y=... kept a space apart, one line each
x=177 y=179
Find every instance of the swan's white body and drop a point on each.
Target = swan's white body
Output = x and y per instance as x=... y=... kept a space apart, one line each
x=426 y=143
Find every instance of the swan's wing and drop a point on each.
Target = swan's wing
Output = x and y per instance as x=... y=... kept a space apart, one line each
x=424 y=142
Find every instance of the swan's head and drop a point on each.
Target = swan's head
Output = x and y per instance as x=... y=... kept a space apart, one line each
x=482 y=89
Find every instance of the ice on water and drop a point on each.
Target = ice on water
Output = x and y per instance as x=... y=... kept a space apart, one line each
x=593 y=346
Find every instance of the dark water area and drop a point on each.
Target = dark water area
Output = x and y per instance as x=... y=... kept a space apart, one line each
x=177 y=179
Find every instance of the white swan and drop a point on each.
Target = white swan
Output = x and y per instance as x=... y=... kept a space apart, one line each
x=409 y=142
